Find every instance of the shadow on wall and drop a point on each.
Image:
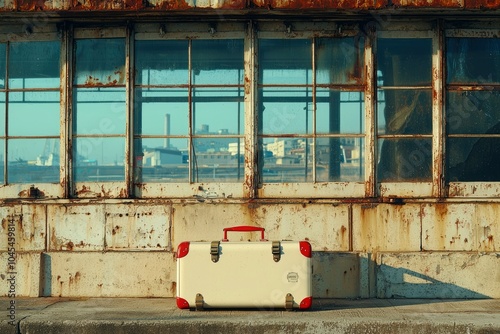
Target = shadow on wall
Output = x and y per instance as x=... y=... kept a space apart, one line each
x=353 y=275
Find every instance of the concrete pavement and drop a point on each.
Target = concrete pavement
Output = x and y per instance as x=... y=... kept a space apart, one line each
x=160 y=315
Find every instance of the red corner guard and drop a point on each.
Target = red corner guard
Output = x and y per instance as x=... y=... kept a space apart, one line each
x=182 y=303
x=306 y=303
x=305 y=248
x=182 y=249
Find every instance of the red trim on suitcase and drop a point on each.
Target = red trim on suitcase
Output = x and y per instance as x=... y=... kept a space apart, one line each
x=305 y=248
x=306 y=303
x=182 y=303
x=183 y=249
x=244 y=228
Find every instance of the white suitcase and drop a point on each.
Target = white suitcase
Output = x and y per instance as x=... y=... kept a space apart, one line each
x=263 y=274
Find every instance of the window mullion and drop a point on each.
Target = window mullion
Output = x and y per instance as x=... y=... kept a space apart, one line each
x=370 y=114
x=129 y=159
x=250 y=105
x=438 y=112
x=313 y=44
x=192 y=152
x=65 y=123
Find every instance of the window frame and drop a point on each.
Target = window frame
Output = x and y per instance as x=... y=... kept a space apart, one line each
x=85 y=189
x=431 y=188
x=192 y=188
x=325 y=189
x=474 y=189
x=34 y=190
x=249 y=187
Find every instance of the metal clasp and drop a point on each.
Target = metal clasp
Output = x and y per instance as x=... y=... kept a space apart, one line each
x=276 y=250
x=214 y=250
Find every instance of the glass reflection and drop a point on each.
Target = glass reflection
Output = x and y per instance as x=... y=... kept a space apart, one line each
x=404 y=159
x=99 y=159
x=160 y=160
x=100 y=62
x=41 y=108
x=339 y=60
x=217 y=62
x=285 y=61
x=218 y=159
x=473 y=60
x=161 y=62
x=34 y=64
x=33 y=161
x=474 y=159
x=161 y=111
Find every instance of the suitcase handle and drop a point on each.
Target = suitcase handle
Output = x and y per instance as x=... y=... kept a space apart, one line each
x=244 y=228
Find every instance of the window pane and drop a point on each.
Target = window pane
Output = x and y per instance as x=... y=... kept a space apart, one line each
x=34 y=64
x=2 y=64
x=339 y=159
x=99 y=110
x=40 y=108
x=33 y=161
x=339 y=60
x=472 y=112
x=214 y=162
x=474 y=159
x=405 y=112
x=161 y=111
x=158 y=163
x=286 y=160
x=99 y=159
x=285 y=61
x=217 y=62
x=100 y=62
x=339 y=112
x=2 y=114
x=286 y=110
x=218 y=111
x=405 y=160
x=473 y=60
x=405 y=61
x=161 y=62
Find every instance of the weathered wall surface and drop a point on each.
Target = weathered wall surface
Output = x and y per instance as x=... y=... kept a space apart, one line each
x=415 y=250
x=262 y=5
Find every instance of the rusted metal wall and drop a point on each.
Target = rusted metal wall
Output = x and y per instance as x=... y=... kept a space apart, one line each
x=262 y=5
x=417 y=250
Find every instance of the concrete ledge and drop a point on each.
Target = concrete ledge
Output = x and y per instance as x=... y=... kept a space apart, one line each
x=156 y=315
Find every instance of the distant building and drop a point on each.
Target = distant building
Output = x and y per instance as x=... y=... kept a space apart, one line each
x=161 y=156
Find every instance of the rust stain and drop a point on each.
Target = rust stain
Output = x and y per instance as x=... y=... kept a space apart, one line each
x=428 y=3
x=482 y=4
x=175 y=5
x=69 y=246
x=83 y=191
x=325 y=4
x=115 y=230
x=173 y=288
x=95 y=82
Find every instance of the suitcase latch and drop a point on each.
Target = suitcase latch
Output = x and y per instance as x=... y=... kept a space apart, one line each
x=276 y=251
x=214 y=250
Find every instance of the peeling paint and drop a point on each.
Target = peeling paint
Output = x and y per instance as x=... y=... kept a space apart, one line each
x=260 y=5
